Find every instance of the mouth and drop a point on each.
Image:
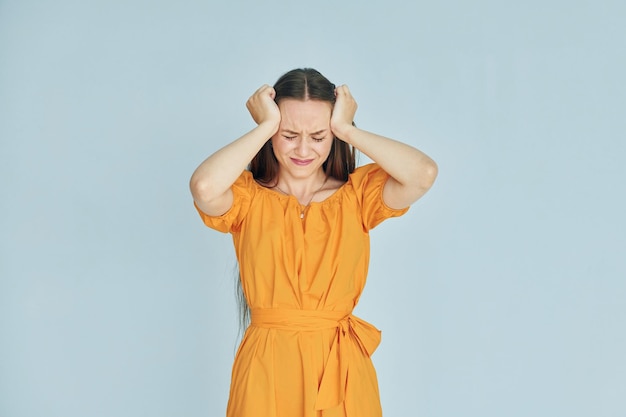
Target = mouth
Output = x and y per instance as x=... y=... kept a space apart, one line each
x=301 y=162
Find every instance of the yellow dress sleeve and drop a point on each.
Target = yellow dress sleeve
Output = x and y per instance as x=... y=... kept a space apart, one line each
x=243 y=190
x=368 y=182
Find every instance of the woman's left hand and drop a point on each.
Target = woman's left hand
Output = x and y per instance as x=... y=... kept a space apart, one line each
x=343 y=113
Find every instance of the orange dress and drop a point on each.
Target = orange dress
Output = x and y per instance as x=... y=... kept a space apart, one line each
x=304 y=353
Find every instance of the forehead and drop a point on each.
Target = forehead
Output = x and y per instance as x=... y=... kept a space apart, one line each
x=304 y=113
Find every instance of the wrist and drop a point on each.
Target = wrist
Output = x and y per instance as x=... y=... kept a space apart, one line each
x=345 y=133
x=268 y=127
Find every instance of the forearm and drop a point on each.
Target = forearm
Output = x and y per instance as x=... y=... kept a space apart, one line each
x=408 y=166
x=218 y=172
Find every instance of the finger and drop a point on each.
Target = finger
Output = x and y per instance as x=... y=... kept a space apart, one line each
x=339 y=93
x=266 y=91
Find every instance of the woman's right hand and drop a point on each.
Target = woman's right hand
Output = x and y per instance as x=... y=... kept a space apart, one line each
x=262 y=107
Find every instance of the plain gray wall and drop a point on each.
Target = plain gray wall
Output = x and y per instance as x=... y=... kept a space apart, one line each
x=501 y=293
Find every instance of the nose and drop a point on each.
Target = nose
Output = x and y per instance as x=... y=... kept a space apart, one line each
x=302 y=148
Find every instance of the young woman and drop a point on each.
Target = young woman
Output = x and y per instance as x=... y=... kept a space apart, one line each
x=299 y=214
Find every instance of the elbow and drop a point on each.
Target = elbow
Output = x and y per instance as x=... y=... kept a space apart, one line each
x=418 y=181
x=429 y=174
x=201 y=189
x=424 y=176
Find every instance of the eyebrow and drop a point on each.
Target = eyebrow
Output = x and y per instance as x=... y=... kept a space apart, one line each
x=319 y=132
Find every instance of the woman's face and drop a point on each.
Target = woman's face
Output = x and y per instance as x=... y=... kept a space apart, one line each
x=304 y=138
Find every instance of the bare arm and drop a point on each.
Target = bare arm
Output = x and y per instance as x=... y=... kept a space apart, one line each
x=412 y=171
x=211 y=182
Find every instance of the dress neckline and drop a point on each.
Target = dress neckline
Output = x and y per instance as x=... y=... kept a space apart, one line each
x=282 y=196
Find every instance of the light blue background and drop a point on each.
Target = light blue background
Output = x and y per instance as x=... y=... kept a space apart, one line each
x=501 y=293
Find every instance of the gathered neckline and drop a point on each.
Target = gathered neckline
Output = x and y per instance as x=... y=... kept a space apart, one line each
x=282 y=196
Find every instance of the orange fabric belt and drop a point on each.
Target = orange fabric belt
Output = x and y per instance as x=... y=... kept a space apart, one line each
x=350 y=330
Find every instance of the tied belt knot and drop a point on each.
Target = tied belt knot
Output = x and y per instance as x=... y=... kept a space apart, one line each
x=353 y=336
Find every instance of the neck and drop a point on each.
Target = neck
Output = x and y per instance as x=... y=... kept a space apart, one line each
x=302 y=188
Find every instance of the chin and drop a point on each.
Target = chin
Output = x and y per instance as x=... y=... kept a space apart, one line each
x=304 y=171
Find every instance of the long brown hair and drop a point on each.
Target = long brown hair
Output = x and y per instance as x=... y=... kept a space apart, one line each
x=305 y=84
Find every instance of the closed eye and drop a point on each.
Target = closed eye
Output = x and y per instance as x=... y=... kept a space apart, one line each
x=318 y=139
x=289 y=137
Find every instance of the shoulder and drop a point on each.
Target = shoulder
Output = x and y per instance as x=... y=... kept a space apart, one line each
x=245 y=182
x=365 y=169
x=363 y=174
